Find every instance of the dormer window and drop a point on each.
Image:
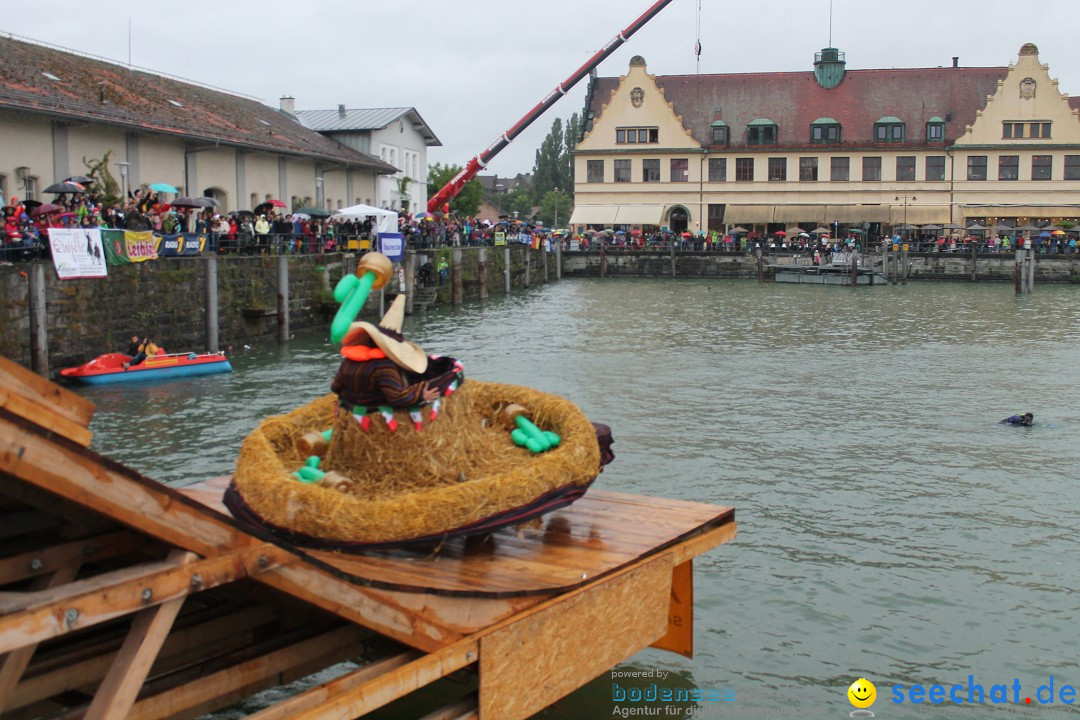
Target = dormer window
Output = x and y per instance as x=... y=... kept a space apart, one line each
x=935 y=130
x=761 y=132
x=825 y=130
x=718 y=133
x=889 y=129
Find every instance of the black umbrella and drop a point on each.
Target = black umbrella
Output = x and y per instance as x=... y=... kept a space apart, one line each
x=207 y=202
x=314 y=212
x=186 y=202
x=80 y=179
x=65 y=187
x=30 y=204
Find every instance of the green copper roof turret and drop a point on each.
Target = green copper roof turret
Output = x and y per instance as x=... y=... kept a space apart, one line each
x=829 y=67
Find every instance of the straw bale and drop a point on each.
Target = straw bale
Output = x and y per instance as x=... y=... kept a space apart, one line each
x=457 y=470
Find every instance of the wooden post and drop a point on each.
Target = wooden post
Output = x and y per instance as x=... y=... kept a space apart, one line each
x=854 y=267
x=211 y=292
x=885 y=259
x=558 y=260
x=528 y=264
x=456 y=280
x=603 y=257
x=1018 y=271
x=760 y=266
x=905 y=261
x=1030 y=267
x=672 y=258
x=506 y=269
x=39 y=336
x=895 y=258
x=974 y=259
x=410 y=280
x=544 y=258
x=481 y=272
x=283 y=298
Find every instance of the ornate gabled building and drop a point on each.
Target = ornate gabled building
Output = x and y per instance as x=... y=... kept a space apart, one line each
x=866 y=149
x=59 y=109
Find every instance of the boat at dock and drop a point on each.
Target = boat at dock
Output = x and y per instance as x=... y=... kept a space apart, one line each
x=837 y=272
x=113 y=368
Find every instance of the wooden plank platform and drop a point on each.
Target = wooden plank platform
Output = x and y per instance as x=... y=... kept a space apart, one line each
x=580 y=543
x=121 y=597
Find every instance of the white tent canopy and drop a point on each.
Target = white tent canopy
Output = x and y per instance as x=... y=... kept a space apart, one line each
x=386 y=219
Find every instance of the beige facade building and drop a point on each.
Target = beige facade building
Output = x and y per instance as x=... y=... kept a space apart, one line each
x=847 y=149
x=59 y=110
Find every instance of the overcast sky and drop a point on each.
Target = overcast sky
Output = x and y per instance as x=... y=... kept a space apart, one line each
x=472 y=68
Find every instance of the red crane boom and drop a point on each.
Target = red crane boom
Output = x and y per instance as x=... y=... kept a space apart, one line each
x=450 y=190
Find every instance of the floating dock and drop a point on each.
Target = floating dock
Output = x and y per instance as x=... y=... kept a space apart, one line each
x=124 y=598
x=827 y=275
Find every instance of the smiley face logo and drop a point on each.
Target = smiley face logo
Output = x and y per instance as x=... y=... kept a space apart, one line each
x=862 y=693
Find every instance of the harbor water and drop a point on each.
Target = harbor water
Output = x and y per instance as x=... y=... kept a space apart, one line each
x=889 y=528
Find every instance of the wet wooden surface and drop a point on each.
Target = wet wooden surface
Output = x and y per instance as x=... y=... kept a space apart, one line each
x=565 y=549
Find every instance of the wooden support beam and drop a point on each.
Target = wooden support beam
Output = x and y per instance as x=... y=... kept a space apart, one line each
x=463 y=709
x=15 y=662
x=85 y=478
x=223 y=634
x=47 y=560
x=27 y=618
x=316 y=696
x=31 y=396
x=149 y=629
x=339 y=701
x=359 y=605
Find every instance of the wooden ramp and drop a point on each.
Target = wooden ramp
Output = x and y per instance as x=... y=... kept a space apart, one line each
x=124 y=598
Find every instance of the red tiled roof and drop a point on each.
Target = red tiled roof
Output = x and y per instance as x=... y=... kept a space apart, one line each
x=138 y=100
x=793 y=100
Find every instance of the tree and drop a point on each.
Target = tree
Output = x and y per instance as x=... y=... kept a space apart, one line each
x=108 y=192
x=547 y=171
x=467 y=203
x=403 y=191
x=570 y=140
x=555 y=208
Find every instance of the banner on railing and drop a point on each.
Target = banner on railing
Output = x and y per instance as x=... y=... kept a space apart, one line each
x=77 y=253
x=392 y=246
x=500 y=238
x=179 y=244
x=129 y=246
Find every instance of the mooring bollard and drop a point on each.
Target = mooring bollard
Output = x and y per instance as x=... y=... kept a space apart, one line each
x=481 y=272
x=506 y=269
x=283 y=298
x=211 y=293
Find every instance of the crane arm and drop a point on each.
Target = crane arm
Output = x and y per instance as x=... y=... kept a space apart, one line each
x=449 y=191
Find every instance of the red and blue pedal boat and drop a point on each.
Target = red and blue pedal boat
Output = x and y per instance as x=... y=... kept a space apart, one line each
x=114 y=368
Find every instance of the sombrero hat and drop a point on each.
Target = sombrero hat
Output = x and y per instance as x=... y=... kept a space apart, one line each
x=387 y=336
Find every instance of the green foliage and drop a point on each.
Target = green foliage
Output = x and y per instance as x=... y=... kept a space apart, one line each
x=467 y=203
x=105 y=185
x=403 y=191
x=518 y=200
x=554 y=167
x=555 y=208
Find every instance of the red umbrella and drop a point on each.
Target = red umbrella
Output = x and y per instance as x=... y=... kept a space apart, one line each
x=45 y=209
x=780 y=232
x=276 y=203
x=686 y=234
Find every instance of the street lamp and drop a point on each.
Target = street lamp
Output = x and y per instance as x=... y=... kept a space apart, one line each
x=906 y=199
x=123 y=181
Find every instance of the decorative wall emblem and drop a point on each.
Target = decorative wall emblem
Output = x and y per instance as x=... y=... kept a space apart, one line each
x=1027 y=88
x=637 y=97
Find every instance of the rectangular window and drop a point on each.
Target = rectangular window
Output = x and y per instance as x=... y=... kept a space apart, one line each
x=778 y=168
x=1012 y=130
x=594 y=171
x=1009 y=167
x=976 y=167
x=840 y=170
x=650 y=171
x=716 y=217
x=1072 y=168
x=761 y=135
x=31 y=188
x=622 y=171
x=719 y=135
x=717 y=169
x=825 y=133
x=808 y=168
x=680 y=170
x=871 y=169
x=1040 y=167
x=637 y=136
x=905 y=167
x=744 y=169
x=935 y=132
x=1039 y=129
x=935 y=167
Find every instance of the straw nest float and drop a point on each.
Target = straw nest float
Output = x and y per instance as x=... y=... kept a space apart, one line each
x=459 y=474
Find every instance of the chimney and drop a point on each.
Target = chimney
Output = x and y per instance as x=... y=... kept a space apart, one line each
x=341 y=111
x=288 y=104
x=956 y=61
